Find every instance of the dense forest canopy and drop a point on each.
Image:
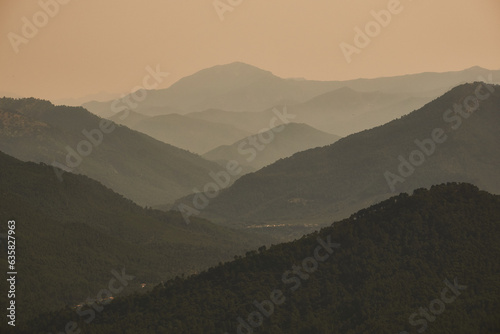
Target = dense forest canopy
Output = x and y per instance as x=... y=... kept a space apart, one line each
x=388 y=267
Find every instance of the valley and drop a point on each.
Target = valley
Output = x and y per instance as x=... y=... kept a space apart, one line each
x=229 y=166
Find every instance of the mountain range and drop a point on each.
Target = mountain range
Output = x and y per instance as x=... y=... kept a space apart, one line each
x=272 y=145
x=244 y=97
x=72 y=139
x=241 y=87
x=453 y=138
x=71 y=235
x=195 y=135
x=345 y=111
x=82 y=185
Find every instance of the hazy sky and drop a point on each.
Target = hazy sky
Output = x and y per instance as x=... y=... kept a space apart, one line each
x=92 y=46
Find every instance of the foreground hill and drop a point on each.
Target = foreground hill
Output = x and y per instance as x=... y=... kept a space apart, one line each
x=137 y=166
x=70 y=236
x=426 y=262
x=361 y=169
x=265 y=148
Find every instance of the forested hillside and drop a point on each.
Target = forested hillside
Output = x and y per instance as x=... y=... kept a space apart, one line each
x=444 y=141
x=137 y=166
x=425 y=262
x=71 y=235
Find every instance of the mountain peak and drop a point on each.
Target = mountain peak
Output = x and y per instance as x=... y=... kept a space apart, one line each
x=463 y=89
x=476 y=68
x=30 y=102
x=235 y=69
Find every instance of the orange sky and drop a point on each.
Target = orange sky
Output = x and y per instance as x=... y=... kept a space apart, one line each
x=91 y=46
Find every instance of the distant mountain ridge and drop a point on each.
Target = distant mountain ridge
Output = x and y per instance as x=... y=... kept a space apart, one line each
x=265 y=148
x=137 y=166
x=242 y=87
x=338 y=179
x=128 y=118
x=195 y=135
x=345 y=111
